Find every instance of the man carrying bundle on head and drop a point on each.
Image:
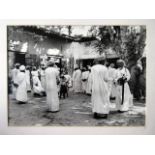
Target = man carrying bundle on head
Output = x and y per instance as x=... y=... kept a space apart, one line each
x=51 y=77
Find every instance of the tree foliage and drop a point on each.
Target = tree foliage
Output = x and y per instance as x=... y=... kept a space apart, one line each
x=134 y=46
x=124 y=40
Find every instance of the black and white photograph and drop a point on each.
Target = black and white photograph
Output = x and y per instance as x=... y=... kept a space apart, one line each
x=76 y=75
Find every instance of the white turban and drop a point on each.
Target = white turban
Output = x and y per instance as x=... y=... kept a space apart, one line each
x=22 y=68
x=121 y=61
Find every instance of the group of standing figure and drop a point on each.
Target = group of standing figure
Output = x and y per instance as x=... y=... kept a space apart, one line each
x=100 y=82
x=31 y=80
x=81 y=80
x=42 y=83
x=104 y=84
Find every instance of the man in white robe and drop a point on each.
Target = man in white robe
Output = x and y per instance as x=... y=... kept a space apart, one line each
x=42 y=74
x=88 y=87
x=77 y=80
x=14 y=74
x=21 y=84
x=100 y=94
x=84 y=79
x=112 y=75
x=51 y=76
x=28 y=78
x=122 y=71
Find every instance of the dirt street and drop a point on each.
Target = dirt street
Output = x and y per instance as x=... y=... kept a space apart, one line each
x=74 y=111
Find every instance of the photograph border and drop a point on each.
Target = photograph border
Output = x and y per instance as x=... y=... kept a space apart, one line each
x=147 y=129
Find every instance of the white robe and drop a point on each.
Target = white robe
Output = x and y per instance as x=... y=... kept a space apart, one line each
x=21 y=94
x=28 y=80
x=88 y=87
x=111 y=86
x=42 y=73
x=77 y=81
x=51 y=75
x=100 y=98
x=14 y=74
x=127 y=94
x=85 y=75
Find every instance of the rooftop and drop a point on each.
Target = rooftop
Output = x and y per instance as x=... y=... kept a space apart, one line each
x=50 y=33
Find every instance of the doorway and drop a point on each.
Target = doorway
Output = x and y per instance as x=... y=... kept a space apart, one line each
x=20 y=58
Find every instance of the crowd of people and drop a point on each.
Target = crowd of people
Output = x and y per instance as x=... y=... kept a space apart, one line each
x=45 y=81
x=102 y=83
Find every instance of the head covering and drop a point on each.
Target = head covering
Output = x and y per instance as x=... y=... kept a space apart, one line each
x=112 y=65
x=120 y=61
x=22 y=68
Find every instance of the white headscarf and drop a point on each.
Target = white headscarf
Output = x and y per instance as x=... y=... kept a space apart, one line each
x=22 y=68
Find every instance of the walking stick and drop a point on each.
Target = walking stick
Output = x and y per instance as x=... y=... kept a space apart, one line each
x=123 y=82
